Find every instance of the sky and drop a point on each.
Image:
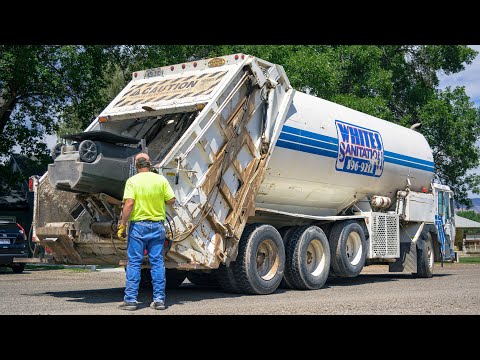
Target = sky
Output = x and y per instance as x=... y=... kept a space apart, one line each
x=470 y=78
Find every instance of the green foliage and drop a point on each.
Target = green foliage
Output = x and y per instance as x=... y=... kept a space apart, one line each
x=469 y=214
x=470 y=259
x=451 y=125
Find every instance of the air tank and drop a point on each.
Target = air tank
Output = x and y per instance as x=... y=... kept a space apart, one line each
x=328 y=157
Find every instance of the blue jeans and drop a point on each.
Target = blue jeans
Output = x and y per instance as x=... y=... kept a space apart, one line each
x=151 y=236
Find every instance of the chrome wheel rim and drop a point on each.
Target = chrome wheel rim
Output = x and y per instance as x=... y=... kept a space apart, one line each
x=267 y=259
x=315 y=257
x=353 y=248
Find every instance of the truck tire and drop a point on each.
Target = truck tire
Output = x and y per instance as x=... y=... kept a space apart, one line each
x=307 y=258
x=226 y=279
x=201 y=278
x=174 y=278
x=286 y=233
x=425 y=256
x=348 y=248
x=145 y=279
x=260 y=263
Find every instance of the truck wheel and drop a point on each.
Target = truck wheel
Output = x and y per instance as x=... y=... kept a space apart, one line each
x=174 y=278
x=145 y=279
x=201 y=278
x=307 y=258
x=261 y=260
x=87 y=151
x=348 y=248
x=425 y=256
x=286 y=233
x=226 y=279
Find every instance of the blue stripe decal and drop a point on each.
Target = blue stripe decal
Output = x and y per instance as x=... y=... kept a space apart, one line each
x=408 y=164
x=408 y=158
x=309 y=141
x=314 y=143
x=309 y=134
x=307 y=149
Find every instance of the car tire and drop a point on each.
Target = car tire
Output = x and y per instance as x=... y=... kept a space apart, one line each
x=88 y=151
x=18 y=268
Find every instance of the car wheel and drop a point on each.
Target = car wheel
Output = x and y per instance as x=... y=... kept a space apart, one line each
x=18 y=268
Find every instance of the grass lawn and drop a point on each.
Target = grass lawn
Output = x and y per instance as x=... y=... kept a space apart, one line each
x=470 y=260
x=55 y=267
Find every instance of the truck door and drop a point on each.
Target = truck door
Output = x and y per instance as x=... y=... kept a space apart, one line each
x=445 y=210
x=450 y=222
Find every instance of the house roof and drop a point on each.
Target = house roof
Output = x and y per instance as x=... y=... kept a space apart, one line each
x=464 y=223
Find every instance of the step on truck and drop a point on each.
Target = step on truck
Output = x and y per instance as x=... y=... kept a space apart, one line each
x=274 y=187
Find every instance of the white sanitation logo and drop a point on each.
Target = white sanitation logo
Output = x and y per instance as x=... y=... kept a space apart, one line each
x=360 y=150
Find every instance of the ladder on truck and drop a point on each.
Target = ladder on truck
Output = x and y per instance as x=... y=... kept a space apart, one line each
x=441 y=234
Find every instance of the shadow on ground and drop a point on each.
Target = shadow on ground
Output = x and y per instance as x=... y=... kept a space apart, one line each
x=373 y=278
x=186 y=293
x=189 y=292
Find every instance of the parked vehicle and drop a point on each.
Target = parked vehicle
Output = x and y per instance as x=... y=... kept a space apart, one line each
x=13 y=244
x=274 y=187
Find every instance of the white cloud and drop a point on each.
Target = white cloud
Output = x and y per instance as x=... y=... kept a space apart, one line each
x=470 y=78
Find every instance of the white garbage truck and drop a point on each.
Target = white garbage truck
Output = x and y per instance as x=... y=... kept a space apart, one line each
x=273 y=187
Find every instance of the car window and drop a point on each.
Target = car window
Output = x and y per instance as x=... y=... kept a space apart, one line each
x=9 y=227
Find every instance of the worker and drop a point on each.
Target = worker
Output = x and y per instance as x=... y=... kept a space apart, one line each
x=145 y=196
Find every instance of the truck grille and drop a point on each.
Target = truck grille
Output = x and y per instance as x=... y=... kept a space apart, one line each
x=384 y=236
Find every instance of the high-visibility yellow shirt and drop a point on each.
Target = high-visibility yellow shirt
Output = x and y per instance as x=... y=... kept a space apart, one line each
x=150 y=192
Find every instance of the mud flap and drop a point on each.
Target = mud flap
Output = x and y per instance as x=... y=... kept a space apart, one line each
x=407 y=262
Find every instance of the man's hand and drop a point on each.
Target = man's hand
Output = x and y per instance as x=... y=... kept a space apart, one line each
x=122 y=232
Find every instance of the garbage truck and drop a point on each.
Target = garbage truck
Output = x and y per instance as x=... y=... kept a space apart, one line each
x=273 y=186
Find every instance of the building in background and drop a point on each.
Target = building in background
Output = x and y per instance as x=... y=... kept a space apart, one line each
x=467 y=235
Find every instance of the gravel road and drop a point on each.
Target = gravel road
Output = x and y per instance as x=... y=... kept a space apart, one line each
x=454 y=290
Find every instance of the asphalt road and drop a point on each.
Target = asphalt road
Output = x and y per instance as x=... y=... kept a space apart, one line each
x=454 y=289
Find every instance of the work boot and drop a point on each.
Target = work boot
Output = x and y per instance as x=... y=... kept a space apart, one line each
x=128 y=306
x=157 y=305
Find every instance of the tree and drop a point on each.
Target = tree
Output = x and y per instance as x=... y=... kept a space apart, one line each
x=451 y=126
x=41 y=86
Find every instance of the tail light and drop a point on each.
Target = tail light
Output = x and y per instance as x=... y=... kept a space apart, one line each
x=21 y=229
x=31 y=183
x=48 y=250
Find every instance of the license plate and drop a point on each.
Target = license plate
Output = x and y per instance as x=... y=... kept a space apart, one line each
x=4 y=241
